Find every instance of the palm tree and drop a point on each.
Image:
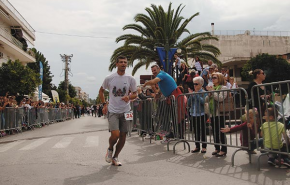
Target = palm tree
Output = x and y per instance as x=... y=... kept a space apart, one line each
x=158 y=29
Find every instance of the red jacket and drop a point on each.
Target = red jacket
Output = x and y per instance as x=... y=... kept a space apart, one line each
x=244 y=133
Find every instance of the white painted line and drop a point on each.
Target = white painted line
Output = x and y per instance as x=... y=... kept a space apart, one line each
x=63 y=143
x=92 y=141
x=35 y=144
x=9 y=145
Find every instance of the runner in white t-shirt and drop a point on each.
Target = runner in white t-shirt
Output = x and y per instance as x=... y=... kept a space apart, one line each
x=119 y=84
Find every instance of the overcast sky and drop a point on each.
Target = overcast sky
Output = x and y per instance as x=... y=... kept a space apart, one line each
x=104 y=20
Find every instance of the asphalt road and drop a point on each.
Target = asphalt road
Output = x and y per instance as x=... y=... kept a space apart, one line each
x=72 y=153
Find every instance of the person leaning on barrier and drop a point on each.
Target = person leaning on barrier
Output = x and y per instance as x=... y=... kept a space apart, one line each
x=197 y=115
x=168 y=87
x=258 y=92
x=149 y=94
x=4 y=103
x=272 y=132
x=244 y=130
x=217 y=120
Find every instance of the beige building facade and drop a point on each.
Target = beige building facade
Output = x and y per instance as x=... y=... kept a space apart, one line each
x=81 y=95
x=16 y=35
x=238 y=47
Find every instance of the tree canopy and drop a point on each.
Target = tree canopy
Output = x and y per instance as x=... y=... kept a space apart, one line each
x=162 y=28
x=275 y=68
x=16 y=78
x=62 y=92
x=47 y=75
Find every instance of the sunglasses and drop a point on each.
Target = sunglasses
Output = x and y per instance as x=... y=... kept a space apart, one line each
x=214 y=77
x=195 y=84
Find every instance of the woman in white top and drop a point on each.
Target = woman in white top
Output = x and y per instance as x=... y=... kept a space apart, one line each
x=233 y=84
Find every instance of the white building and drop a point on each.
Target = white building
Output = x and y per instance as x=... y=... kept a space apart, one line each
x=81 y=95
x=78 y=92
x=15 y=35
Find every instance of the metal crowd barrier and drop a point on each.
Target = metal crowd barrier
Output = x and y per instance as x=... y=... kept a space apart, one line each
x=14 y=119
x=222 y=109
x=276 y=96
x=10 y=120
x=150 y=116
x=208 y=112
x=174 y=116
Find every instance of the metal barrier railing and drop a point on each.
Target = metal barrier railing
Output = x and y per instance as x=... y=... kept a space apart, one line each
x=14 y=119
x=274 y=113
x=210 y=115
x=171 y=115
x=205 y=117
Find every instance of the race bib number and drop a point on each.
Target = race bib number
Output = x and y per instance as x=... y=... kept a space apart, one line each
x=128 y=115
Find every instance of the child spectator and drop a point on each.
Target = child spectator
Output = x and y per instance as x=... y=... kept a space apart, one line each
x=244 y=131
x=272 y=131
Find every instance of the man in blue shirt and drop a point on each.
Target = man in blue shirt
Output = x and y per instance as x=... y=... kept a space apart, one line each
x=168 y=87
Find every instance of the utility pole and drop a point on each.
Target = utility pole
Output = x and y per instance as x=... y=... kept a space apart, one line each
x=66 y=59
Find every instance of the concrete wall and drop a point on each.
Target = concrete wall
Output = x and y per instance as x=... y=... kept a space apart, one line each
x=244 y=45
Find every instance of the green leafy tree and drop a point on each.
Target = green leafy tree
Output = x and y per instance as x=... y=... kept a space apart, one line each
x=62 y=92
x=275 y=68
x=92 y=101
x=75 y=101
x=47 y=75
x=162 y=29
x=17 y=79
x=84 y=103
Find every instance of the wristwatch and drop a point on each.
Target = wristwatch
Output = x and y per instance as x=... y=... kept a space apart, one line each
x=104 y=103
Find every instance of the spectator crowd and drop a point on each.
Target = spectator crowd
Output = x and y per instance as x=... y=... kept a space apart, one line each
x=200 y=105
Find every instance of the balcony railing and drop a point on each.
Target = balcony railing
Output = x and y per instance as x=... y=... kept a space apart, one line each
x=4 y=33
x=252 y=32
x=18 y=15
x=11 y=39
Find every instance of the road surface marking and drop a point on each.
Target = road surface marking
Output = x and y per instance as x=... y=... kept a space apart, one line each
x=92 y=141
x=10 y=145
x=35 y=144
x=63 y=143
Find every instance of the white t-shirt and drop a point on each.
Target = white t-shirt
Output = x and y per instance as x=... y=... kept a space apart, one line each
x=229 y=85
x=118 y=87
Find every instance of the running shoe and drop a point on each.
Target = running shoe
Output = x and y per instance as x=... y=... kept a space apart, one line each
x=271 y=161
x=109 y=155
x=286 y=162
x=116 y=162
